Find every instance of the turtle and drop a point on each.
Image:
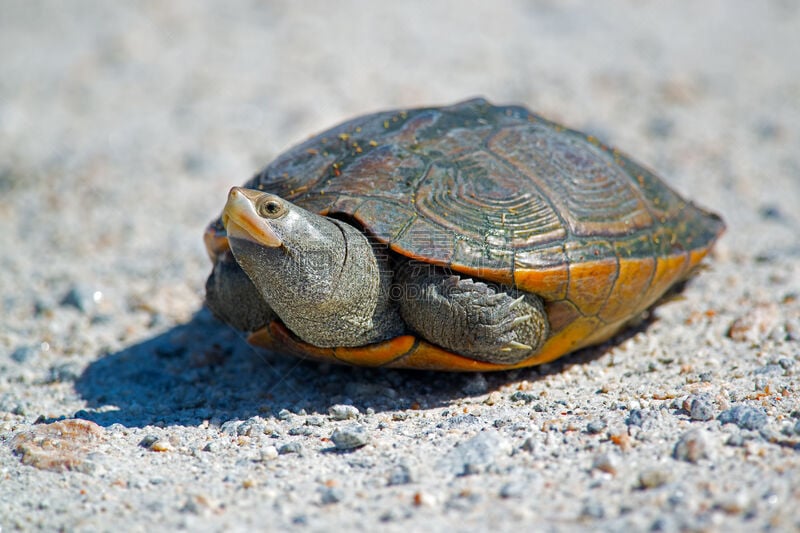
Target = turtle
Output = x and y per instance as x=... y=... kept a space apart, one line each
x=469 y=237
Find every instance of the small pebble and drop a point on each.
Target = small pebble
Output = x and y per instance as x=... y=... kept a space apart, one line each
x=735 y=440
x=395 y=514
x=400 y=475
x=700 y=407
x=596 y=426
x=343 y=412
x=43 y=306
x=692 y=446
x=251 y=427
x=213 y=446
x=269 y=453
x=530 y=444
x=754 y=325
x=425 y=498
x=161 y=445
x=315 y=421
x=81 y=298
x=493 y=398
x=290 y=447
x=350 y=437
x=478 y=454
x=23 y=354
x=148 y=441
x=762 y=384
x=459 y=421
x=745 y=417
x=771 y=368
x=733 y=504
x=706 y=377
x=524 y=396
x=330 y=495
x=593 y=509
x=792 y=330
x=654 y=477
x=230 y=427
x=635 y=417
x=606 y=462
x=501 y=422
x=512 y=489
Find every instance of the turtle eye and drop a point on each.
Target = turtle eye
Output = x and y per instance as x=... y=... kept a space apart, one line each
x=271 y=208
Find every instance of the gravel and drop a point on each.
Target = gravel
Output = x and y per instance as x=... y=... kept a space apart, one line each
x=745 y=417
x=596 y=426
x=480 y=453
x=654 y=477
x=693 y=446
x=343 y=412
x=350 y=437
x=606 y=462
x=290 y=447
x=82 y=298
x=400 y=475
x=700 y=407
x=124 y=124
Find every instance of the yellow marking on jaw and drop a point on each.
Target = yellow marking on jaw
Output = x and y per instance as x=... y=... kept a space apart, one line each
x=242 y=221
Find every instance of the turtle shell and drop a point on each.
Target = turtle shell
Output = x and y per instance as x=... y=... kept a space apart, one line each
x=502 y=194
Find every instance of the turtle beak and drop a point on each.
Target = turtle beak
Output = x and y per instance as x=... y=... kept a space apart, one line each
x=242 y=221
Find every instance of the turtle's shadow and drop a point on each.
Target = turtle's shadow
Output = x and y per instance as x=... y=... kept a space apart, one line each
x=204 y=370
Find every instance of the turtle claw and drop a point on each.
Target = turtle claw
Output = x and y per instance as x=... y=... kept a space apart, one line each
x=520 y=319
x=516 y=302
x=514 y=346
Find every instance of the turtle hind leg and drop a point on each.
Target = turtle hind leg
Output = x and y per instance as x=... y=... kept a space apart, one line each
x=479 y=320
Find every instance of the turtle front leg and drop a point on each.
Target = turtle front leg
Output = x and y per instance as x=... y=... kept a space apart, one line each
x=233 y=298
x=483 y=321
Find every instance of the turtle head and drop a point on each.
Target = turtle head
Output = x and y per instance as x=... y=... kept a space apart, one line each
x=319 y=275
x=309 y=269
x=247 y=215
x=260 y=218
x=283 y=248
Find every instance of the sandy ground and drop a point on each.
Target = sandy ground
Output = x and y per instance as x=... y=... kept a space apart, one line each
x=122 y=125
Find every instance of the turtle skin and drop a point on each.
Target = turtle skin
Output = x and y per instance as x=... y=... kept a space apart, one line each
x=502 y=195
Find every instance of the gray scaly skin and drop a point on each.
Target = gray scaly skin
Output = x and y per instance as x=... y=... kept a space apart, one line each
x=484 y=321
x=317 y=274
x=324 y=280
x=234 y=298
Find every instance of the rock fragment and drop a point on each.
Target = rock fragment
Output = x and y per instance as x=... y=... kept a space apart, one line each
x=59 y=446
x=350 y=437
